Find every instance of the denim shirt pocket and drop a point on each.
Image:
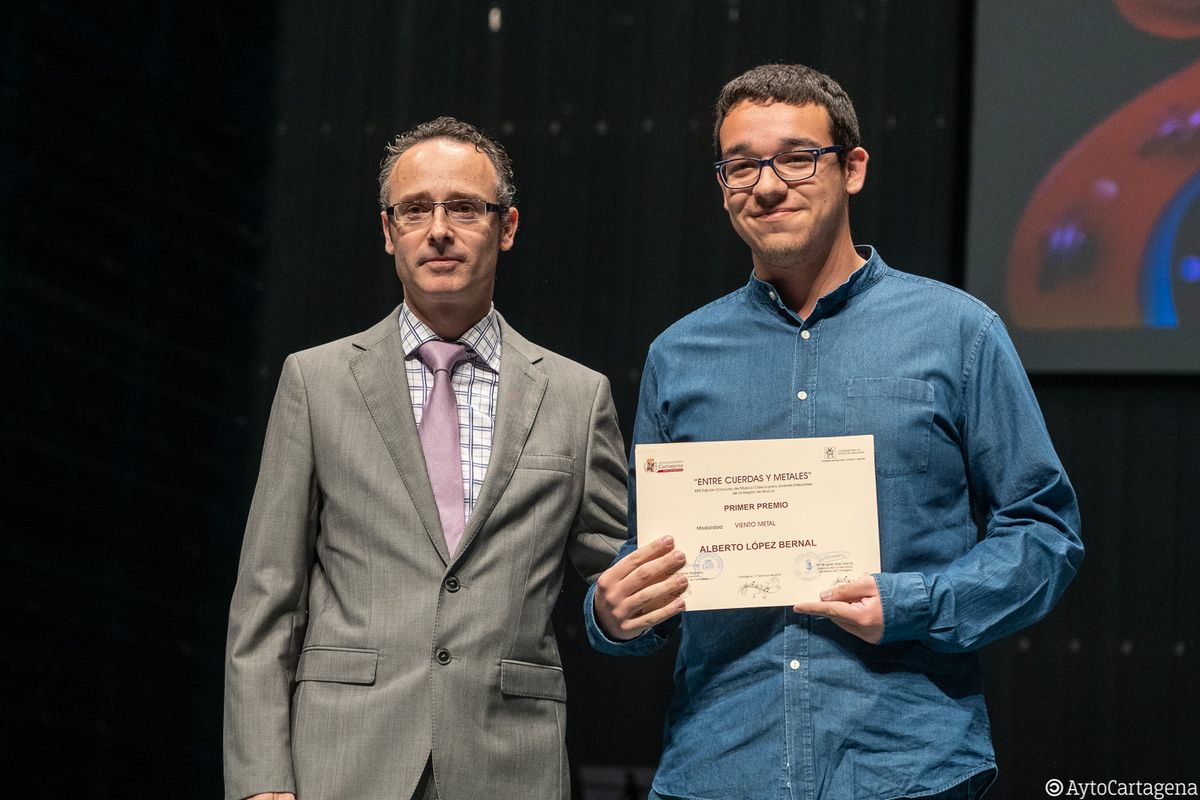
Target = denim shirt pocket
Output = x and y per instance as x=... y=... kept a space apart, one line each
x=898 y=412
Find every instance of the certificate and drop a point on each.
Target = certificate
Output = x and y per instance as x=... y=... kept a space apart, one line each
x=768 y=522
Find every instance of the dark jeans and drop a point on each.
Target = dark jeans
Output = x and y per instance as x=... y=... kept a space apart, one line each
x=970 y=789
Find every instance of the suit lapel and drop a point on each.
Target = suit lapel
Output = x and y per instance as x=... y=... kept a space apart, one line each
x=522 y=387
x=379 y=372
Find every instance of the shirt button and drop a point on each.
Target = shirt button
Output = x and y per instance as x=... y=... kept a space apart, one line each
x=805 y=335
x=443 y=656
x=771 y=295
x=801 y=395
x=794 y=664
x=451 y=584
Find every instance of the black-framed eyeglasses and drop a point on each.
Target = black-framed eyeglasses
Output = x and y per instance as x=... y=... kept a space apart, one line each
x=794 y=165
x=419 y=212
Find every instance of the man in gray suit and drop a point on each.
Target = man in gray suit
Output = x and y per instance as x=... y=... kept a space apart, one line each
x=390 y=636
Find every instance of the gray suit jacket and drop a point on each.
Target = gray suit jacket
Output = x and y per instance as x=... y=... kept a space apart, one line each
x=357 y=646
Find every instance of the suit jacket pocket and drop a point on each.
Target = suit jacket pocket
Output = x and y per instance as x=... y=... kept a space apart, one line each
x=523 y=679
x=337 y=665
x=550 y=461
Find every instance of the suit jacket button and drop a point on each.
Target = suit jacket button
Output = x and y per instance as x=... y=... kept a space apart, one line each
x=443 y=656
x=452 y=584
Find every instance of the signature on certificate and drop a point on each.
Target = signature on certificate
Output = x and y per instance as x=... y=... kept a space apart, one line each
x=760 y=588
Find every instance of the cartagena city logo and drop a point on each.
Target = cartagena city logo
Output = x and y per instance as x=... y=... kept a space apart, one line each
x=651 y=464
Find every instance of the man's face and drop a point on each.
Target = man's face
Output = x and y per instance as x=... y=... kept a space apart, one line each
x=789 y=224
x=445 y=264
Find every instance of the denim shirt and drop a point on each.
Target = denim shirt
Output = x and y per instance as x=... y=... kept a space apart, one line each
x=774 y=705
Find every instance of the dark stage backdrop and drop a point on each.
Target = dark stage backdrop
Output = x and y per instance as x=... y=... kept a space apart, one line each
x=133 y=159
x=189 y=194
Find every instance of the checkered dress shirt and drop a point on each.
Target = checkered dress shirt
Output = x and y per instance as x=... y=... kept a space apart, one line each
x=475 y=383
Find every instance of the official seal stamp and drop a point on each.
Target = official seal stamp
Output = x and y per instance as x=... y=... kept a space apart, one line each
x=708 y=566
x=806 y=567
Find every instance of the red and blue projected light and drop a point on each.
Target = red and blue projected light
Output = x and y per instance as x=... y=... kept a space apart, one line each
x=1111 y=236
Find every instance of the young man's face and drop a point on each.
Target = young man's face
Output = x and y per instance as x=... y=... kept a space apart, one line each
x=791 y=224
x=443 y=263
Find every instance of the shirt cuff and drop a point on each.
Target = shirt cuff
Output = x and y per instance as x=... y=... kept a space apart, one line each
x=644 y=643
x=904 y=597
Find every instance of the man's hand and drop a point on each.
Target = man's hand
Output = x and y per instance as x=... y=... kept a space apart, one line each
x=854 y=607
x=272 y=796
x=640 y=591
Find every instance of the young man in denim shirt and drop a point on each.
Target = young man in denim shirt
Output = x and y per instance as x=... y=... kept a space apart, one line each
x=874 y=692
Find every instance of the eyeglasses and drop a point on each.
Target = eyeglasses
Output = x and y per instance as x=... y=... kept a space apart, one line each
x=419 y=212
x=794 y=165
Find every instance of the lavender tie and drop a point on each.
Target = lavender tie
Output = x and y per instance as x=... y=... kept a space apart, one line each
x=439 y=437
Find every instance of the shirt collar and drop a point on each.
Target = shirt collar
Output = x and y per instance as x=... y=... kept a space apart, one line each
x=483 y=338
x=862 y=279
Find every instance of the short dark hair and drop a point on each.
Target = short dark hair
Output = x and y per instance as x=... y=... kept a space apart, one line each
x=459 y=131
x=796 y=85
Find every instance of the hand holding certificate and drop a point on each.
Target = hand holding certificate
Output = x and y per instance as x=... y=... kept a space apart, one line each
x=641 y=590
x=770 y=522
